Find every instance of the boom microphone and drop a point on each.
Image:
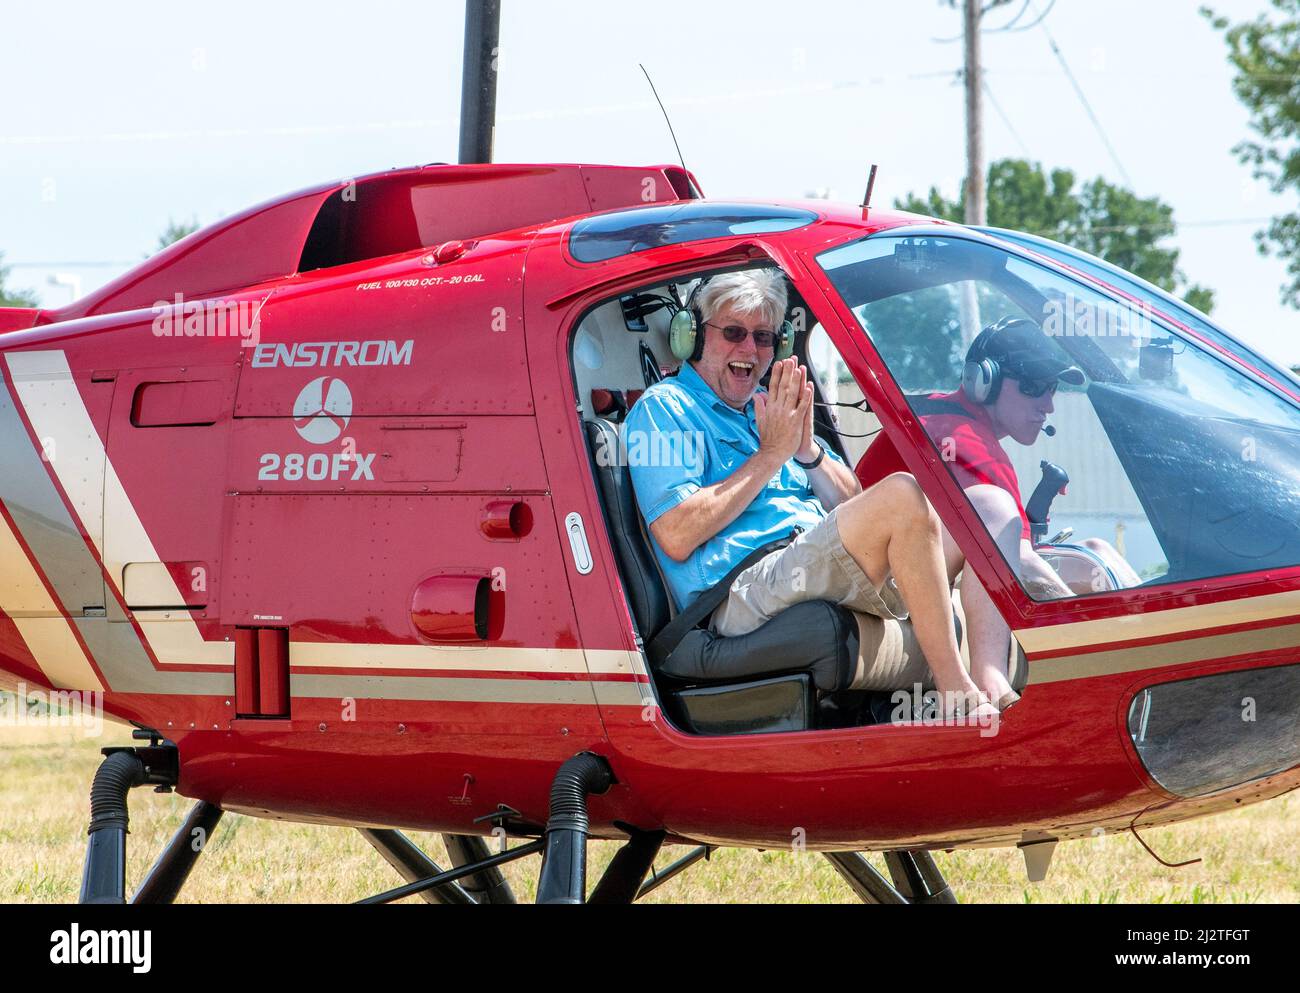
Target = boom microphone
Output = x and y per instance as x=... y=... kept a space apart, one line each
x=1049 y=430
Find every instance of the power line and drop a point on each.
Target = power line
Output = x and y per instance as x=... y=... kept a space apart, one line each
x=1011 y=23
x=1086 y=106
x=1179 y=225
x=980 y=16
x=1172 y=227
x=1032 y=24
x=352 y=127
x=1005 y=119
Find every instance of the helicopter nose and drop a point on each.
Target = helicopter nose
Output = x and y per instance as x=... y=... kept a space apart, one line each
x=1190 y=737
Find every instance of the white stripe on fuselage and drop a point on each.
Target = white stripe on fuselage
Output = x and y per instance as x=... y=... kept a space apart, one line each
x=46 y=632
x=58 y=415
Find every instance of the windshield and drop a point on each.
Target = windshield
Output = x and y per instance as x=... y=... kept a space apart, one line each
x=1180 y=464
x=1145 y=291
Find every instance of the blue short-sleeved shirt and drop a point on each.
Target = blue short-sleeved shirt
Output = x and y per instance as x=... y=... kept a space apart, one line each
x=681 y=436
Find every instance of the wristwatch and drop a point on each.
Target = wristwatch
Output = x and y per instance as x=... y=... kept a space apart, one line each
x=821 y=454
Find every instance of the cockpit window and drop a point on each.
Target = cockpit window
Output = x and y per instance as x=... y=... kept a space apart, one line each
x=607 y=236
x=1181 y=465
x=1153 y=295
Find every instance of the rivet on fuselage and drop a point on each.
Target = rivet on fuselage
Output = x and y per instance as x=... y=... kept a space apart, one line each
x=401 y=729
x=321 y=727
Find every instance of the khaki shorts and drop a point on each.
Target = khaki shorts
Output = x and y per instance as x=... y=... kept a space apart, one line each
x=815 y=566
x=889 y=657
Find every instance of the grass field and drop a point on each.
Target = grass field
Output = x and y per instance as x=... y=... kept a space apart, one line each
x=1249 y=856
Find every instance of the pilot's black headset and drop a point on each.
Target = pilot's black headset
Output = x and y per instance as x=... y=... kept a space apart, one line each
x=981 y=377
x=686 y=338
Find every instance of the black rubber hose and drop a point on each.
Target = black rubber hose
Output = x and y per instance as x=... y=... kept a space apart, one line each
x=563 y=878
x=115 y=778
x=581 y=775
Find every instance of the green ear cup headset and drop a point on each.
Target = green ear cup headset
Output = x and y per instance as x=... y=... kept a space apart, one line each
x=687 y=342
x=684 y=340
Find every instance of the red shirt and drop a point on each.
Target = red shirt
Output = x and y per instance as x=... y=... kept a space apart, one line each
x=966 y=443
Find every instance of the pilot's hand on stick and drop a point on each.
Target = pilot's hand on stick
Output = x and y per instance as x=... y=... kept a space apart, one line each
x=783 y=412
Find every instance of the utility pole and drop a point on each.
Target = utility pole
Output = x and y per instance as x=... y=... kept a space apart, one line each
x=976 y=200
x=976 y=206
x=478 y=86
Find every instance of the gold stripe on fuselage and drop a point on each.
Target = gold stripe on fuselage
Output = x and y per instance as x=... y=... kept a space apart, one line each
x=1159 y=623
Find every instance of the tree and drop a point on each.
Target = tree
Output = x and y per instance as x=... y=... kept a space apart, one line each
x=1105 y=220
x=919 y=333
x=1266 y=55
x=14 y=298
x=175 y=231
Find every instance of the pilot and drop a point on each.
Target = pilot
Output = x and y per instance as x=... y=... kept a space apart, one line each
x=759 y=474
x=1010 y=377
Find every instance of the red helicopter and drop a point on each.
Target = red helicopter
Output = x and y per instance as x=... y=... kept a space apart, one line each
x=321 y=499
x=332 y=501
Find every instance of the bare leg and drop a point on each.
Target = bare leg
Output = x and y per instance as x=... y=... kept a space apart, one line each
x=891 y=529
x=990 y=638
x=1118 y=565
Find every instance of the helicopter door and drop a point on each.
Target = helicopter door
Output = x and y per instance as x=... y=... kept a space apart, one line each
x=606 y=347
x=165 y=497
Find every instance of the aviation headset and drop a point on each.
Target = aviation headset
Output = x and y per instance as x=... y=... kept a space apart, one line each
x=982 y=377
x=686 y=338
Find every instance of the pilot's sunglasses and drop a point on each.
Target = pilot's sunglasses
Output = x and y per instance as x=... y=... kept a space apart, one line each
x=736 y=334
x=1037 y=387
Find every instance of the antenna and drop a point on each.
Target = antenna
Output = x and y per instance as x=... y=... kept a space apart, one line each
x=680 y=157
x=871 y=184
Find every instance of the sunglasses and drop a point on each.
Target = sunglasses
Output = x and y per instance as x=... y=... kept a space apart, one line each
x=1037 y=387
x=736 y=334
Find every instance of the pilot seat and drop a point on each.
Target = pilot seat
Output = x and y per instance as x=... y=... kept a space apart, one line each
x=798 y=671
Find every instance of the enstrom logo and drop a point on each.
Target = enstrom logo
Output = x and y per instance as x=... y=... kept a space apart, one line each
x=322 y=410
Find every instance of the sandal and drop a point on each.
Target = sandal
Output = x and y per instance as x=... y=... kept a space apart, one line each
x=965 y=711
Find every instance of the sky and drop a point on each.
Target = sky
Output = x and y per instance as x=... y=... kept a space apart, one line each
x=120 y=118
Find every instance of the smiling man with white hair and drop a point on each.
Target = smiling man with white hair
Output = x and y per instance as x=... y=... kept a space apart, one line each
x=762 y=475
